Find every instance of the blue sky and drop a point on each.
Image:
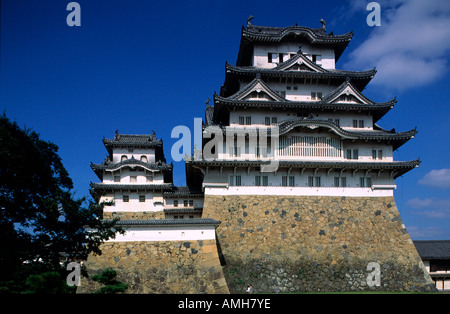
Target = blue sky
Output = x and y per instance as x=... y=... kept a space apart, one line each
x=139 y=66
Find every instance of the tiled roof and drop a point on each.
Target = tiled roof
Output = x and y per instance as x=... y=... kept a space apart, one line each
x=359 y=78
x=183 y=191
x=251 y=86
x=433 y=249
x=133 y=140
x=276 y=34
x=264 y=34
x=288 y=125
x=132 y=162
x=378 y=109
x=393 y=165
x=398 y=168
x=185 y=211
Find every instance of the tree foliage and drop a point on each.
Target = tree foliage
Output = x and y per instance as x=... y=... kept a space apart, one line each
x=39 y=215
x=111 y=285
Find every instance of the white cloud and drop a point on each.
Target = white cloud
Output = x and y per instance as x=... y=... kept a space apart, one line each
x=410 y=47
x=437 y=178
x=430 y=232
x=431 y=207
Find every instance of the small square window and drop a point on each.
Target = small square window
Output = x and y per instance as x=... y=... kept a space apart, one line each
x=175 y=203
x=141 y=198
x=126 y=198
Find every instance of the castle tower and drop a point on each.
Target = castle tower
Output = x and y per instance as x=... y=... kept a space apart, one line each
x=167 y=247
x=133 y=176
x=300 y=174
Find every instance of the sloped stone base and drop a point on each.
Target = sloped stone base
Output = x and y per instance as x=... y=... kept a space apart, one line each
x=160 y=267
x=316 y=243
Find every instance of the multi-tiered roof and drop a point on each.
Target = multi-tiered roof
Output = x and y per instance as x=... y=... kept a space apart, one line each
x=122 y=155
x=256 y=86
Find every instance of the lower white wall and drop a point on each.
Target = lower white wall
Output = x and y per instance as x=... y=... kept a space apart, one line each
x=164 y=233
x=300 y=191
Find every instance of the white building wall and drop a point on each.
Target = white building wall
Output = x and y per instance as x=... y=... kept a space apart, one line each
x=301 y=92
x=137 y=153
x=325 y=58
x=153 y=202
x=345 y=120
x=161 y=233
x=169 y=203
x=140 y=176
x=299 y=191
x=275 y=179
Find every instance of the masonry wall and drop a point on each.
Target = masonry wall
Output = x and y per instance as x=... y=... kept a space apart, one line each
x=160 y=267
x=313 y=243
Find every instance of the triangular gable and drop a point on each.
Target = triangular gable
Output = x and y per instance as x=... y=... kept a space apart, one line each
x=299 y=62
x=347 y=93
x=257 y=90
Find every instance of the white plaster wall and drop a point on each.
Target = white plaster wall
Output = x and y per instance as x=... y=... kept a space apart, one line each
x=300 y=191
x=345 y=119
x=365 y=151
x=156 y=177
x=169 y=202
x=301 y=92
x=258 y=117
x=153 y=202
x=137 y=153
x=166 y=233
x=301 y=179
x=326 y=60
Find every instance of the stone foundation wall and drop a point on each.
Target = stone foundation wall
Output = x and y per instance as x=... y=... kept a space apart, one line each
x=314 y=243
x=160 y=267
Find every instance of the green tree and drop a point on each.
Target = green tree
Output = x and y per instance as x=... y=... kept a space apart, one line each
x=107 y=277
x=39 y=214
